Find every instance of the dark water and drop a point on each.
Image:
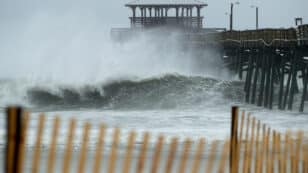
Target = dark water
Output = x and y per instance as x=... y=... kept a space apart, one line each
x=166 y=92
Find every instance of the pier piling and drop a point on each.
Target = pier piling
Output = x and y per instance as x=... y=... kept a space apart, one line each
x=271 y=66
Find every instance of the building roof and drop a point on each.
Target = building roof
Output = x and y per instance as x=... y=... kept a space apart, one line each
x=166 y=3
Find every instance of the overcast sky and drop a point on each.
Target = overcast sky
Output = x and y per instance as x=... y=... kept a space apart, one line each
x=112 y=13
x=52 y=35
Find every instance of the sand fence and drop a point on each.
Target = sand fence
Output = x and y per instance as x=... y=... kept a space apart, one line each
x=253 y=147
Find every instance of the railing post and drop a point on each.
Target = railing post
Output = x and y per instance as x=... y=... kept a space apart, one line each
x=234 y=141
x=13 y=139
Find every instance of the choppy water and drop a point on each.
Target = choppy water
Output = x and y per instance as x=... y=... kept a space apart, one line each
x=175 y=105
x=171 y=104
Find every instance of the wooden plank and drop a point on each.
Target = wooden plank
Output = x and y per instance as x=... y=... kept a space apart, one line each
x=69 y=147
x=223 y=157
x=257 y=146
x=114 y=150
x=23 y=138
x=280 y=153
x=129 y=150
x=171 y=155
x=250 y=147
x=212 y=157
x=234 y=141
x=184 y=156
x=84 y=147
x=143 y=153
x=267 y=149
x=260 y=162
x=157 y=154
x=305 y=161
x=285 y=153
x=272 y=153
x=11 y=116
x=245 y=160
x=37 y=148
x=99 y=149
x=292 y=155
x=299 y=140
x=53 y=145
x=241 y=128
x=198 y=156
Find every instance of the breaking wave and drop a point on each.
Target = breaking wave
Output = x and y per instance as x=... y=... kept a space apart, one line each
x=164 y=92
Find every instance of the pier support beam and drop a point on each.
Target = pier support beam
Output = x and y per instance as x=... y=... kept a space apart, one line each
x=272 y=70
x=249 y=76
x=263 y=73
x=294 y=86
x=255 y=80
x=281 y=84
x=289 y=71
x=268 y=80
x=267 y=67
x=304 y=96
x=240 y=64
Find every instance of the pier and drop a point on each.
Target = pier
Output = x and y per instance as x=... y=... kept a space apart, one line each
x=266 y=59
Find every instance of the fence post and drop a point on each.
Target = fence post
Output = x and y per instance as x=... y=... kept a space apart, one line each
x=13 y=139
x=234 y=141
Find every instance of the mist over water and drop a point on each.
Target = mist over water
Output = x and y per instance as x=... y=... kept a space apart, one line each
x=68 y=50
x=72 y=49
x=60 y=64
x=82 y=59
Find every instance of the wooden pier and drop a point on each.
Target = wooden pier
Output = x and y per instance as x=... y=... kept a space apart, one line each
x=272 y=62
x=266 y=59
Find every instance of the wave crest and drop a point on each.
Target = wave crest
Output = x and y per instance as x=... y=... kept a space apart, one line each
x=166 y=92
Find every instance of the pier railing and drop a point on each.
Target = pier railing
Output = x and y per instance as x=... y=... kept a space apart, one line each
x=184 y=22
x=267 y=37
x=303 y=34
x=252 y=147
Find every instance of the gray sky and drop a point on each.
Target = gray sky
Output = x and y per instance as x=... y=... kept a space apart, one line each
x=273 y=13
x=45 y=37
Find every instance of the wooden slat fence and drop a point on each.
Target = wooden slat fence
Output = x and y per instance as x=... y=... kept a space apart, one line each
x=253 y=148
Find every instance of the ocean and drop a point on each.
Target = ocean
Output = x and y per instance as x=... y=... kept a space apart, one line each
x=173 y=105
